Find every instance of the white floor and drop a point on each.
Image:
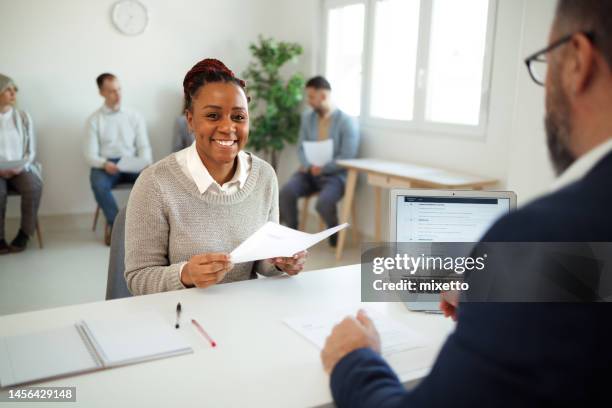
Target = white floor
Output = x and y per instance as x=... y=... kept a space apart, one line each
x=72 y=267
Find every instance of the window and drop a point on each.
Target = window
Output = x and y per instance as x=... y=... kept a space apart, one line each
x=456 y=56
x=424 y=64
x=345 y=55
x=396 y=25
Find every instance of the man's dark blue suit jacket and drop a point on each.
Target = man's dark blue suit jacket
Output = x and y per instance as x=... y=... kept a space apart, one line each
x=513 y=354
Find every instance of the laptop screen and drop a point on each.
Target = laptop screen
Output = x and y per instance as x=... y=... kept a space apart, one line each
x=447 y=219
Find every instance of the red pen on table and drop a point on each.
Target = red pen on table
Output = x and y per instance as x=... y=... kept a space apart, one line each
x=203 y=332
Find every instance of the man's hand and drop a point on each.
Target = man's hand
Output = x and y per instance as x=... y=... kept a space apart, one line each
x=291 y=266
x=349 y=335
x=316 y=170
x=449 y=301
x=8 y=173
x=111 y=168
x=206 y=270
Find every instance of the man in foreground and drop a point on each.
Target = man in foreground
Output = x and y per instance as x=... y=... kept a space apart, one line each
x=522 y=354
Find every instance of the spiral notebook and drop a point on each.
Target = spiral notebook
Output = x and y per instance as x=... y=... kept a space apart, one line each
x=87 y=346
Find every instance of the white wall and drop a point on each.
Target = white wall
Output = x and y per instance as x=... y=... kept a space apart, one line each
x=529 y=170
x=55 y=49
x=297 y=22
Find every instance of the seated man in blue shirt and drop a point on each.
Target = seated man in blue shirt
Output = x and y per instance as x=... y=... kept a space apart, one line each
x=323 y=122
x=522 y=354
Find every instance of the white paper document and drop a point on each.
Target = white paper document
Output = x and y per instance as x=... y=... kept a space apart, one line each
x=319 y=153
x=395 y=337
x=132 y=164
x=275 y=240
x=13 y=164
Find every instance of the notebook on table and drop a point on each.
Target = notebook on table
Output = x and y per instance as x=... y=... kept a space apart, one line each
x=87 y=346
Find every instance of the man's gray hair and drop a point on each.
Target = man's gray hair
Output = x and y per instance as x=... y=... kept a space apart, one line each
x=588 y=16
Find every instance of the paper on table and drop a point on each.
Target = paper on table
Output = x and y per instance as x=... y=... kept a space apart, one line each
x=13 y=164
x=319 y=153
x=132 y=164
x=395 y=337
x=273 y=240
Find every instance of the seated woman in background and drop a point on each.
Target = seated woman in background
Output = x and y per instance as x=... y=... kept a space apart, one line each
x=18 y=170
x=189 y=210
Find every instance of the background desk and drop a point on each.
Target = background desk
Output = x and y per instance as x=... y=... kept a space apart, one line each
x=388 y=174
x=259 y=361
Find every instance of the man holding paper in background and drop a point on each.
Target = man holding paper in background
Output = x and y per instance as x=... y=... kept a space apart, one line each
x=326 y=135
x=117 y=147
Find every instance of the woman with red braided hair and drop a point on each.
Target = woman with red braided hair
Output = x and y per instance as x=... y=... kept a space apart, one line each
x=189 y=210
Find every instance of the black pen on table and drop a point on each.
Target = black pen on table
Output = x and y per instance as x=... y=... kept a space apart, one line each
x=178 y=315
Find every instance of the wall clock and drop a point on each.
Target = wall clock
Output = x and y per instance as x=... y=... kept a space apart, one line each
x=130 y=17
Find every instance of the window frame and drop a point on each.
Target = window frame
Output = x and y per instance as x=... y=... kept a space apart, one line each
x=418 y=122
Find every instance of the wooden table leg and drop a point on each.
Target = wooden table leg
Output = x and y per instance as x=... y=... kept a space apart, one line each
x=377 y=207
x=349 y=193
x=354 y=225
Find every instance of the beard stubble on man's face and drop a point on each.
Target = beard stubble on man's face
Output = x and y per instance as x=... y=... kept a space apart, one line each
x=558 y=123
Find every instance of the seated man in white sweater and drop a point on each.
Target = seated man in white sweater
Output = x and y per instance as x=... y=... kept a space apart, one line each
x=113 y=132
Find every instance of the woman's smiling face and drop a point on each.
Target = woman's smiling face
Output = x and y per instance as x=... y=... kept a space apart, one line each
x=219 y=119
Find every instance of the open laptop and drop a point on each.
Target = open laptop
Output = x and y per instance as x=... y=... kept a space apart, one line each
x=422 y=216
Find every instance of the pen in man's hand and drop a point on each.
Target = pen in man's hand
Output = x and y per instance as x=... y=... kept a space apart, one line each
x=178 y=315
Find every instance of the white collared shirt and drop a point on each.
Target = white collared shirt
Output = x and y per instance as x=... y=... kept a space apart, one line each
x=115 y=134
x=11 y=142
x=583 y=165
x=192 y=166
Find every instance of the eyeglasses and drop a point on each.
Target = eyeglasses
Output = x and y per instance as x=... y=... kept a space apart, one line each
x=537 y=63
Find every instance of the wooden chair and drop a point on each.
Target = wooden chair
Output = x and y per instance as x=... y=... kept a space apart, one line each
x=12 y=192
x=121 y=186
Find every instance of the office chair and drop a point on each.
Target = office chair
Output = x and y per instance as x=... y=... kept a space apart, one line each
x=116 y=286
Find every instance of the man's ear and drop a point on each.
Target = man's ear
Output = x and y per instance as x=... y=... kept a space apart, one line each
x=582 y=63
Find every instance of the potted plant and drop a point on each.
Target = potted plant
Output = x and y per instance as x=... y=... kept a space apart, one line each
x=275 y=100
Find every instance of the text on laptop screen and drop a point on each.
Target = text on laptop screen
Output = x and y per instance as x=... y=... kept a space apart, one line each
x=447 y=219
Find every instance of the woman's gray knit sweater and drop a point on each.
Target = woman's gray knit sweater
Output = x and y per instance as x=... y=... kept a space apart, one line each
x=168 y=221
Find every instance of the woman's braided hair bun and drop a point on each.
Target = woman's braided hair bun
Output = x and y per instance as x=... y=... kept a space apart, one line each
x=206 y=71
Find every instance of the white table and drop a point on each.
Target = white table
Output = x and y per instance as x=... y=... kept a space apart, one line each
x=259 y=361
x=389 y=174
